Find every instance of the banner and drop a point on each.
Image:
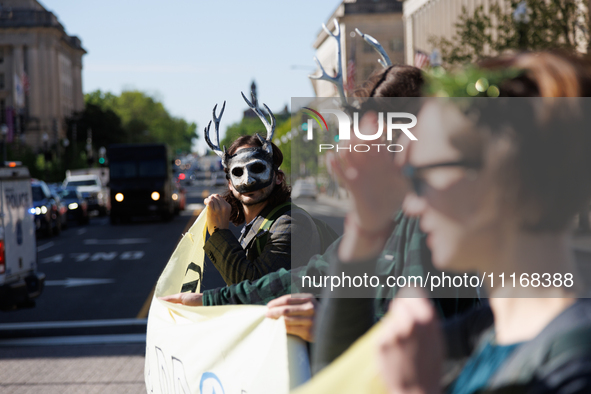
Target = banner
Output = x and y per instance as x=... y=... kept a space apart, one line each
x=221 y=350
x=354 y=372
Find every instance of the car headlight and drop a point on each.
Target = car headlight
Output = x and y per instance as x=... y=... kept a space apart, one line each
x=99 y=196
x=175 y=196
x=119 y=197
x=155 y=196
x=43 y=209
x=37 y=211
x=73 y=205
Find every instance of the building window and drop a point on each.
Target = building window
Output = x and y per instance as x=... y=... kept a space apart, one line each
x=397 y=44
x=2 y=82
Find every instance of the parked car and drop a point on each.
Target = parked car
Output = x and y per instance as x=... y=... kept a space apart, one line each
x=304 y=188
x=77 y=206
x=47 y=219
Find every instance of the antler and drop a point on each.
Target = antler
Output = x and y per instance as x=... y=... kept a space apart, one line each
x=385 y=60
x=270 y=127
x=216 y=147
x=337 y=80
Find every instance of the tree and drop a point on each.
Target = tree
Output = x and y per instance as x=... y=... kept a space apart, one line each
x=515 y=25
x=144 y=119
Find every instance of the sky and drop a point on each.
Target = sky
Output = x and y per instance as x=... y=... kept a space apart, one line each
x=193 y=54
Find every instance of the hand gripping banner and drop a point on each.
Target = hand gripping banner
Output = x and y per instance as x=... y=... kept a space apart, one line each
x=223 y=349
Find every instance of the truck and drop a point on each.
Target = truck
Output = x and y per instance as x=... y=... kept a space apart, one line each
x=140 y=181
x=93 y=184
x=20 y=282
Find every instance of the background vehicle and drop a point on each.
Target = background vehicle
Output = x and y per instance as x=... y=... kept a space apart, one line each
x=179 y=196
x=20 y=282
x=141 y=181
x=76 y=205
x=46 y=209
x=61 y=206
x=304 y=188
x=92 y=189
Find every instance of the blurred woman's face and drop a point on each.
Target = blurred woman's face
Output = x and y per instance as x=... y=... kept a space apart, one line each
x=454 y=196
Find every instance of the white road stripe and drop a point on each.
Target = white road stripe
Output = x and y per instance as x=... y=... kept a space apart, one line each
x=193 y=207
x=122 y=241
x=75 y=340
x=48 y=245
x=73 y=324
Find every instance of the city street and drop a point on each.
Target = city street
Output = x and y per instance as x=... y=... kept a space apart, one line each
x=87 y=331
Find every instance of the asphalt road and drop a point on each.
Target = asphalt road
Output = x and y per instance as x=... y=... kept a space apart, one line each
x=100 y=277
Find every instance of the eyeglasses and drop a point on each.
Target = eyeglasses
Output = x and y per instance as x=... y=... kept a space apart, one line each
x=413 y=173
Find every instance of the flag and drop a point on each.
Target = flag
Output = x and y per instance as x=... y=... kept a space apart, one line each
x=421 y=59
x=215 y=349
x=19 y=92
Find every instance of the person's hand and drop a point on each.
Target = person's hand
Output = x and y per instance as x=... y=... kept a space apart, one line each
x=410 y=347
x=298 y=311
x=189 y=299
x=218 y=213
x=376 y=186
x=373 y=179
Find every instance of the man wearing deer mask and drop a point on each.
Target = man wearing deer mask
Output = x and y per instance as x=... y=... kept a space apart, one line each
x=259 y=197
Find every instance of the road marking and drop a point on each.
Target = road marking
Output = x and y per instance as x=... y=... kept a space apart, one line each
x=133 y=255
x=81 y=231
x=194 y=207
x=74 y=282
x=122 y=241
x=103 y=256
x=73 y=324
x=48 y=245
x=75 y=340
x=53 y=259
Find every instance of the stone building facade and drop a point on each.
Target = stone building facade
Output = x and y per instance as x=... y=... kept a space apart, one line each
x=381 y=19
x=424 y=19
x=40 y=74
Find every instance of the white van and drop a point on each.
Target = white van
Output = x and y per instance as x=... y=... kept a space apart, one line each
x=20 y=282
x=92 y=189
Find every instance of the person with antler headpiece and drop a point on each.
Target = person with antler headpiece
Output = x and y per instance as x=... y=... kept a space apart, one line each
x=259 y=197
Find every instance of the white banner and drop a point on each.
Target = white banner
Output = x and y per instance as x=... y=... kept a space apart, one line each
x=221 y=350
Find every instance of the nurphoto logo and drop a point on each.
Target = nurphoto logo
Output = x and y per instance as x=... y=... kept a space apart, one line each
x=402 y=121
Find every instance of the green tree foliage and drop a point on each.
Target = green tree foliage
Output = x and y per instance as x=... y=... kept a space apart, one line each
x=548 y=24
x=143 y=119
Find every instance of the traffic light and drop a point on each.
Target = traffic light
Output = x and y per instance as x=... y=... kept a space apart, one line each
x=102 y=156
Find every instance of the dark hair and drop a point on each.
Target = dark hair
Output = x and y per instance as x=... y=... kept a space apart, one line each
x=394 y=81
x=280 y=194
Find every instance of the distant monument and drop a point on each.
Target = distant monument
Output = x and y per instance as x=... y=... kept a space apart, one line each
x=249 y=113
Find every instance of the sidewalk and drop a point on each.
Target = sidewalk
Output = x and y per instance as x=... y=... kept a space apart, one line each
x=75 y=369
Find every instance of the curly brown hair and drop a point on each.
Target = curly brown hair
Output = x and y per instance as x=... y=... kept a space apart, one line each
x=281 y=193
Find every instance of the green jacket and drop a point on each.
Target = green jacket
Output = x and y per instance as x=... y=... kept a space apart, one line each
x=405 y=254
